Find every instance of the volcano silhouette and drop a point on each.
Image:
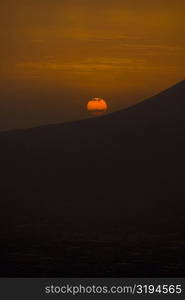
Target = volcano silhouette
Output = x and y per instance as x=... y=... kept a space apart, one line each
x=88 y=176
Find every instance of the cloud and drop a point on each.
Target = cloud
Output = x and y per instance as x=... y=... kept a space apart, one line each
x=112 y=64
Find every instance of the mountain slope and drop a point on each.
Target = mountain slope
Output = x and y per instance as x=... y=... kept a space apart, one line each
x=120 y=168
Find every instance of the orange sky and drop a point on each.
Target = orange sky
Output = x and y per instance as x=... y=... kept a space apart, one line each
x=58 y=54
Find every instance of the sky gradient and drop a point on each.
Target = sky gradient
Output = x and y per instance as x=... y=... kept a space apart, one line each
x=58 y=54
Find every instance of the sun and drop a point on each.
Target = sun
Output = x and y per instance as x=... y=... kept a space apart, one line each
x=97 y=106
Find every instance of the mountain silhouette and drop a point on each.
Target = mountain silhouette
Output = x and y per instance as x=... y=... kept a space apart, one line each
x=131 y=160
x=122 y=169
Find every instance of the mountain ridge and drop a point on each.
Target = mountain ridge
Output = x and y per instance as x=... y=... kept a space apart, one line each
x=116 y=114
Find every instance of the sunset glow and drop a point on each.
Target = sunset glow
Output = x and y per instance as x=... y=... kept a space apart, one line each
x=56 y=54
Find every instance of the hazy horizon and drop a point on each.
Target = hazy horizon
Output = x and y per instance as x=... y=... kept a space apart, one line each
x=57 y=55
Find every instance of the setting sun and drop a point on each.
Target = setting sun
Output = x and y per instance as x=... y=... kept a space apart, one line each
x=97 y=106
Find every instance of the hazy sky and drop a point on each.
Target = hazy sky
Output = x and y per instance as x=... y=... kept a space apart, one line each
x=58 y=54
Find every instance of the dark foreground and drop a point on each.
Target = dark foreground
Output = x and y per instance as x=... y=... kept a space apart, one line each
x=156 y=251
